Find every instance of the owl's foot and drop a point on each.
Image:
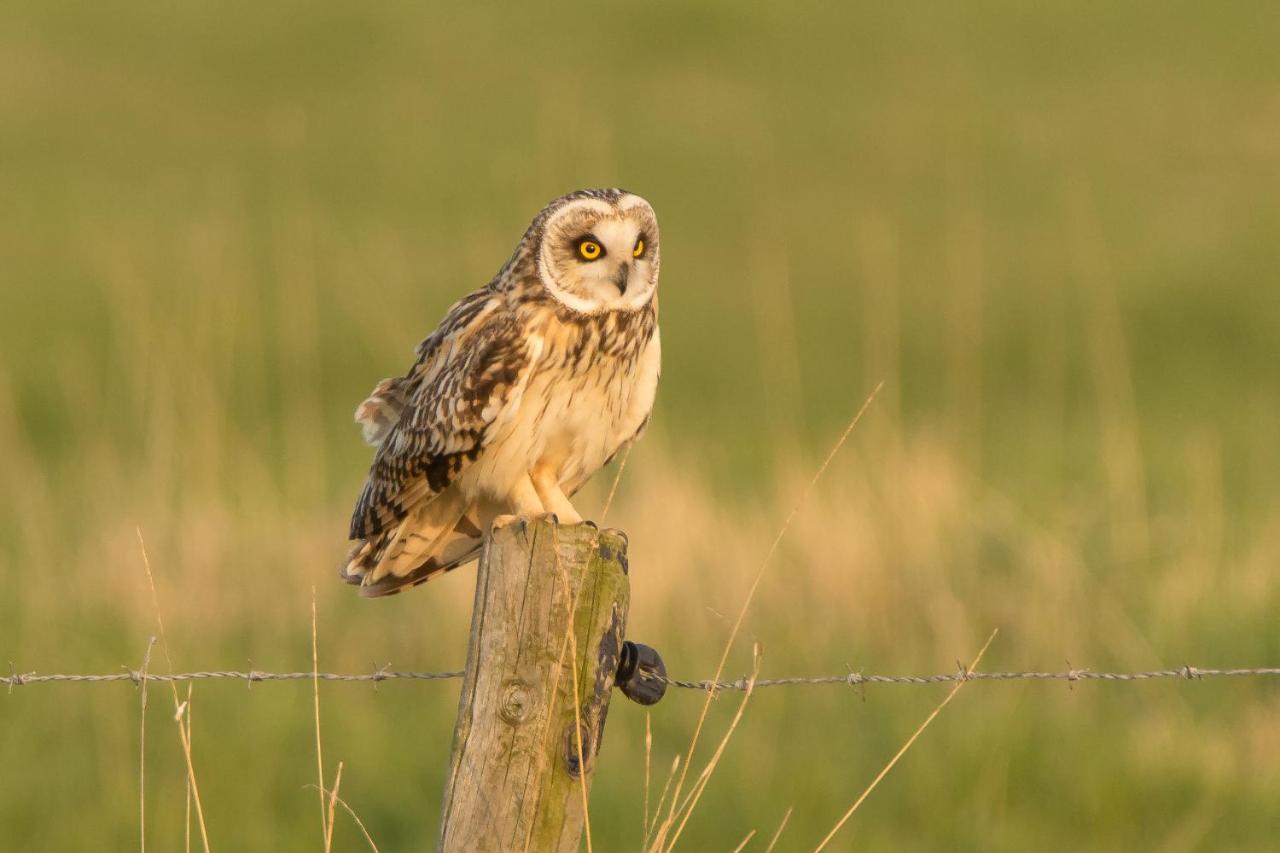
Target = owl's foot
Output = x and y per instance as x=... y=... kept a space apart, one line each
x=509 y=518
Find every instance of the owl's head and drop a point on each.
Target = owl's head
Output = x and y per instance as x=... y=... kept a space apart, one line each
x=597 y=250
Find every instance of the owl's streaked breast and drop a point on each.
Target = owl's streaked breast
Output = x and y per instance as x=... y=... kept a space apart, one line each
x=590 y=392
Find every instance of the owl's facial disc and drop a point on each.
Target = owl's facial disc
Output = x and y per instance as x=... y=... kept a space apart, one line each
x=598 y=257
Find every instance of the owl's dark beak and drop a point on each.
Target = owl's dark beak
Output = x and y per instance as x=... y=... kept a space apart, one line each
x=624 y=272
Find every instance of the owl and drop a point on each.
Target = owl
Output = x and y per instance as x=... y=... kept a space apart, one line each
x=529 y=386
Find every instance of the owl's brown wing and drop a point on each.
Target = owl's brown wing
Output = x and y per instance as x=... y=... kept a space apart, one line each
x=464 y=380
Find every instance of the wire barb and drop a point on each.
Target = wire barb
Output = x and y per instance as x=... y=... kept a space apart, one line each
x=16 y=679
x=380 y=674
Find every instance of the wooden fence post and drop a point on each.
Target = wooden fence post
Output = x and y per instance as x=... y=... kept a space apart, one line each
x=516 y=775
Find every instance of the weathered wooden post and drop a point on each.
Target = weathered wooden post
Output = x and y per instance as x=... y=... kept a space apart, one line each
x=549 y=620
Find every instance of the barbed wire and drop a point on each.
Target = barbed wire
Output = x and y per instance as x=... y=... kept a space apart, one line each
x=852 y=679
x=253 y=676
x=855 y=679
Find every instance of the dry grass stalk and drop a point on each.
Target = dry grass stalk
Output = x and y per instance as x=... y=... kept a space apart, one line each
x=333 y=801
x=180 y=708
x=187 y=823
x=755 y=585
x=744 y=841
x=648 y=831
x=577 y=720
x=920 y=730
x=778 y=834
x=648 y=757
x=555 y=686
x=325 y=828
x=691 y=802
x=355 y=817
x=613 y=489
x=142 y=750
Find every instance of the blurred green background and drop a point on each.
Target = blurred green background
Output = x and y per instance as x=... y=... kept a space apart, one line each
x=1052 y=230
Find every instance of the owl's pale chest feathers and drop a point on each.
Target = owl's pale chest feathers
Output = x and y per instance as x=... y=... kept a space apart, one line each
x=589 y=391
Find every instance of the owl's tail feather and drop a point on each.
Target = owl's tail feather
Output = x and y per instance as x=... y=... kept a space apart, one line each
x=437 y=536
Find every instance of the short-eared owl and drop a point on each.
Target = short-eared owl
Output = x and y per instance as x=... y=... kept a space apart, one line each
x=528 y=387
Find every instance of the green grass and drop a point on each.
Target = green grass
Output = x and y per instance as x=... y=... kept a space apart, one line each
x=1050 y=229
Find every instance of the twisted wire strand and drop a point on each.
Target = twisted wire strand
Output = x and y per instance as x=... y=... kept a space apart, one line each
x=20 y=679
x=855 y=679
x=852 y=679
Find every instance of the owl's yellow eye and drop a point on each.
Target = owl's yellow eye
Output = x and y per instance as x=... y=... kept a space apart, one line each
x=639 y=249
x=589 y=250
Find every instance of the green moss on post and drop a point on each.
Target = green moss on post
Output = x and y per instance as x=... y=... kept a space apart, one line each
x=515 y=776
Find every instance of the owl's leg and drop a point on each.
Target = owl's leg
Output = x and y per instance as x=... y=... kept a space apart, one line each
x=525 y=499
x=546 y=482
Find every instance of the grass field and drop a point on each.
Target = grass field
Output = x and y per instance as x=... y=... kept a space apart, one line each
x=1052 y=230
